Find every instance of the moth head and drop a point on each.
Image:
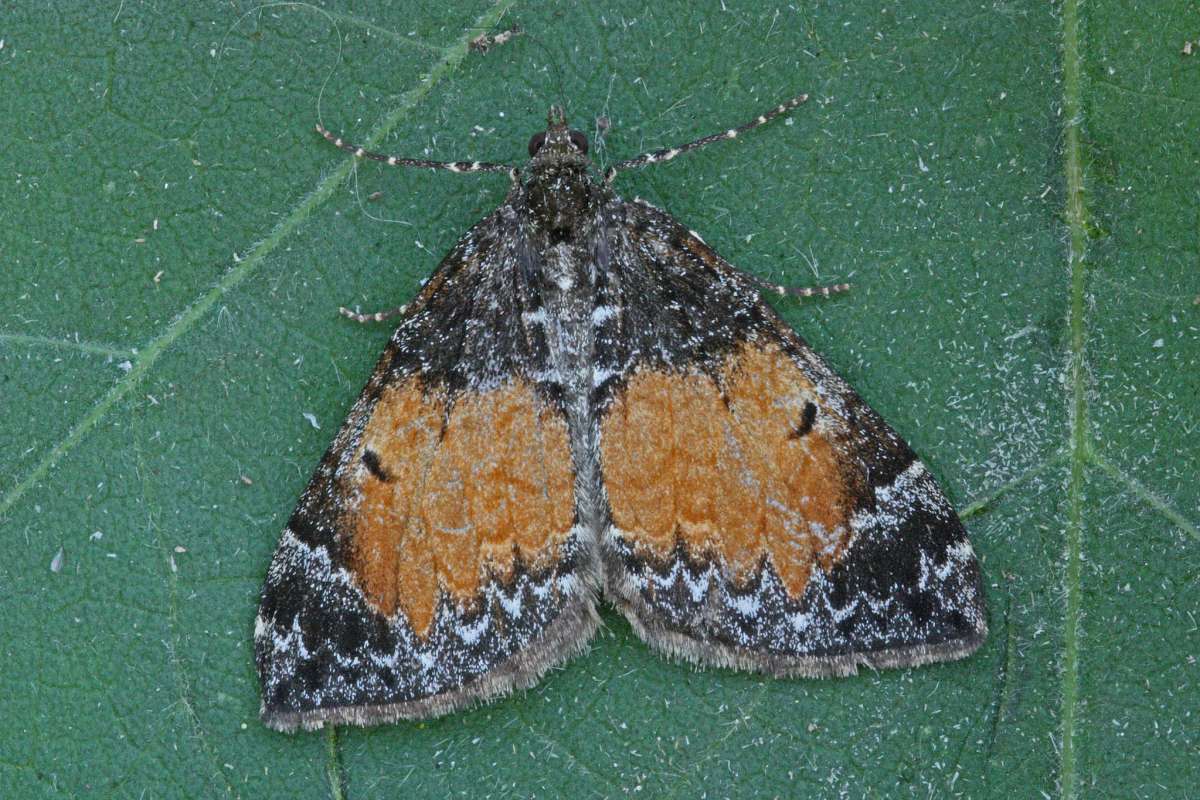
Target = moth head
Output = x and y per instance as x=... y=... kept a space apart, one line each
x=558 y=145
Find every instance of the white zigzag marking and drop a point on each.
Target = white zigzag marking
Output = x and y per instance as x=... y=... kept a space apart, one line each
x=511 y=605
x=895 y=501
x=956 y=555
x=470 y=634
x=699 y=586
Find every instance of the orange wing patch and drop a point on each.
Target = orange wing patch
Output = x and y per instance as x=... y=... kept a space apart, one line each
x=735 y=468
x=441 y=511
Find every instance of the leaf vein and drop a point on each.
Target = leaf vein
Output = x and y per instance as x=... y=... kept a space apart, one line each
x=187 y=319
x=983 y=504
x=1147 y=495
x=91 y=348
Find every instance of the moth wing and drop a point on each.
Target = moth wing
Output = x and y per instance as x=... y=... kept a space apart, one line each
x=762 y=515
x=433 y=561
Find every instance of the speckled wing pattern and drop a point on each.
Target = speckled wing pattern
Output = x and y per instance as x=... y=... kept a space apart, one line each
x=762 y=516
x=434 y=559
x=586 y=399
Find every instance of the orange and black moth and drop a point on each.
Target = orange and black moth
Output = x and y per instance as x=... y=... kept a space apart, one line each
x=586 y=402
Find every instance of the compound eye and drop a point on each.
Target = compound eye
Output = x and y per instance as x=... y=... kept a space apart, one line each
x=536 y=142
x=580 y=141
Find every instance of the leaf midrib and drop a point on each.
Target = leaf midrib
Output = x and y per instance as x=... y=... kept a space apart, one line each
x=1076 y=212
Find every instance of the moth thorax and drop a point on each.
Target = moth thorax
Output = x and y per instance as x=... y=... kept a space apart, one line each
x=560 y=199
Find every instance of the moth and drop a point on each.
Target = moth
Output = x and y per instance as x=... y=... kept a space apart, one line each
x=586 y=401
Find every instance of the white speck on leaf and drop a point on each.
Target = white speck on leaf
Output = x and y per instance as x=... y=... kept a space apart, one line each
x=312 y=419
x=56 y=563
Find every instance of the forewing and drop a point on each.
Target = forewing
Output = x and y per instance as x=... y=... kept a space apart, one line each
x=762 y=515
x=432 y=560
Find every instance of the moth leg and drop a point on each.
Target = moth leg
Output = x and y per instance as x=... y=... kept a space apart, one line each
x=393 y=161
x=798 y=291
x=378 y=316
x=486 y=41
x=667 y=153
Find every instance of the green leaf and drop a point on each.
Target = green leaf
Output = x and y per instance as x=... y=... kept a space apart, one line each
x=1010 y=188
